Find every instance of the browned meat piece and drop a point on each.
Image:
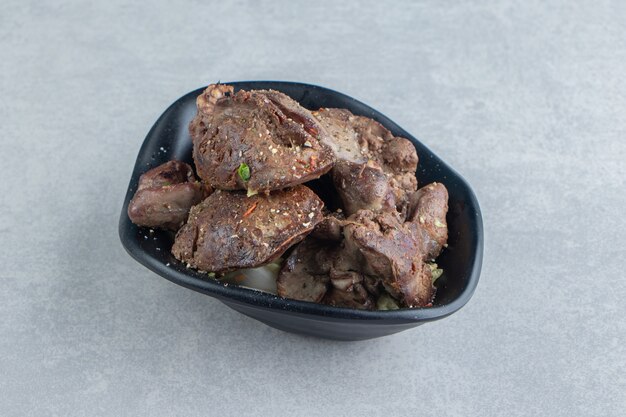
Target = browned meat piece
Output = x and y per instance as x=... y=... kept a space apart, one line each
x=279 y=142
x=427 y=213
x=347 y=290
x=344 y=137
x=309 y=275
x=387 y=249
x=305 y=273
x=398 y=154
x=363 y=187
x=348 y=287
x=230 y=231
x=364 y=146
x=206 y=101
x=330 y=228
x=165 y=195
x=378 y=252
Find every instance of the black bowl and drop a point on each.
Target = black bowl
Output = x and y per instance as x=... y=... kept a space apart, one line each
x=169 y=139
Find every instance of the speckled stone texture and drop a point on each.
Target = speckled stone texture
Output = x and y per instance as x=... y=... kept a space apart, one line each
x=526 y=99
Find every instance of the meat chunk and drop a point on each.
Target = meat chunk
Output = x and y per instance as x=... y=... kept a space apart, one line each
x=230 y=231
x=347 y=290
x=330 y=228
x=363 y=187
x=344 y=137
x=305 y=274
x=378 y=254
x=279 y=143
x=348 y=287
x=367 y=154
x=427 y=214
x=387 y=250
x=164 y=196
x=309 y=274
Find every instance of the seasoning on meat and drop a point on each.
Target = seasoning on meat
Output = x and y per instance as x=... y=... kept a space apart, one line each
x=373 y=255
x=252 y=139
x=229 y=230
x=375 y=170
x=257 y=148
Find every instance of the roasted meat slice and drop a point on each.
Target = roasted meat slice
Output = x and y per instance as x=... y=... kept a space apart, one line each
x=384 y=248
x=230 y=231
x=369 y=155
x=277 y=142
x=164 y=196
x=427 y=214
x=305 y=274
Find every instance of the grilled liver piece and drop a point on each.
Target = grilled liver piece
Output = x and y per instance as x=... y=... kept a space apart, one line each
x=230 y=231
x=375 y=170
x=305 y=274
x=278 y=140
x=370 y=253
x=164 y=196
x=427 y=214
x=385 y=249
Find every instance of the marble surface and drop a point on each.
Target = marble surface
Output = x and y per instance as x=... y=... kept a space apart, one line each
x=526 y=99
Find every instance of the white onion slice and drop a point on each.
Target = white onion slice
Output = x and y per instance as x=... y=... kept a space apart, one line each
x=262 y=278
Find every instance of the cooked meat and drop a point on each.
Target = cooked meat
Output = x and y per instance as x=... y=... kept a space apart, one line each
x=344 y=136
x=427 y=212
x=369 y=248
x=378 y=252
x=363 y=186
x=330 y=228
x=279 y=143
x=206 y=101
x=309 y=274
x=164 y=196
x=230 y=231
x=363 y=146
x=304 y=275
x=387 y=250
x=347 y=291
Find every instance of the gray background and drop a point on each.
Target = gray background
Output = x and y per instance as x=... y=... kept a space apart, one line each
x=527 y=100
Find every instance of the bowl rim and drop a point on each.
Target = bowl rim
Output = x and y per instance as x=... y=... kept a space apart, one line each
x=259 y=299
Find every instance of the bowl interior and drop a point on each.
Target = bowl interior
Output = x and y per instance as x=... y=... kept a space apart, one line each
x=461 y=261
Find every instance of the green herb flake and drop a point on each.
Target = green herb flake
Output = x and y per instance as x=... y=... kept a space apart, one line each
x=435 y=271
x=386 y=302
x=244 y=171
